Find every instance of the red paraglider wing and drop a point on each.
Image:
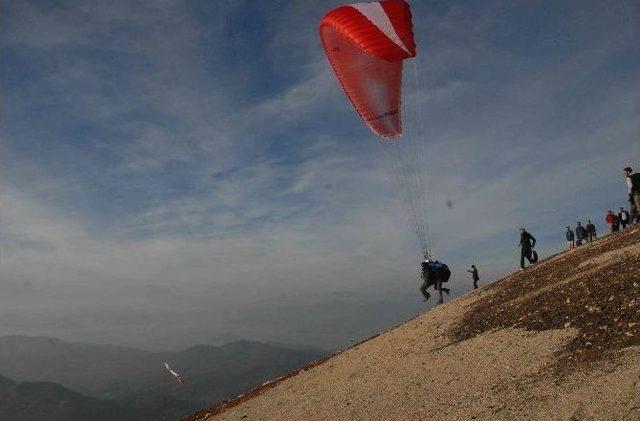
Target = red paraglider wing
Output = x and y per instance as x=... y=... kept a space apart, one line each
x=366 y=44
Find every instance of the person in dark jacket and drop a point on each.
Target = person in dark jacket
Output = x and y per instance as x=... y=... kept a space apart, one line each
x=634 y=213
x=527 y=243
x=633 y=188
x=591 y=230
x=434 y=273
x=581 y=234
x=474 y=275
x=624 y=218
x=571 y=243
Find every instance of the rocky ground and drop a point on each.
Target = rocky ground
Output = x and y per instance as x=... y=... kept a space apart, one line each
x=558 y=341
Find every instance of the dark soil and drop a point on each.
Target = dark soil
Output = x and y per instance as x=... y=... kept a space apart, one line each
x=602 y=302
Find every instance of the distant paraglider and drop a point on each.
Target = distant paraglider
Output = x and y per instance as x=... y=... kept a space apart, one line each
x=177 y=376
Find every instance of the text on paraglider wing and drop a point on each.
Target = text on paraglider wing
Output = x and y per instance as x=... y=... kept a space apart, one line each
x=383 y=115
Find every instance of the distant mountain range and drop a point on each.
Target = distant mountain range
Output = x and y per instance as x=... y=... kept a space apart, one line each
x=36 y=401
x=126 y=381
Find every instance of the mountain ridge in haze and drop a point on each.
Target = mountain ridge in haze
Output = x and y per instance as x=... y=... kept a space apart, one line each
x=136 y=380
x=35 y=401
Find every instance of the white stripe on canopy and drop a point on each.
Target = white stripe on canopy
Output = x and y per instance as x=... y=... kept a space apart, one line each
x=376 y=14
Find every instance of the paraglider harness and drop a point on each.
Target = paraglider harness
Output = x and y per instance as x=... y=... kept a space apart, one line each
x=433 y=270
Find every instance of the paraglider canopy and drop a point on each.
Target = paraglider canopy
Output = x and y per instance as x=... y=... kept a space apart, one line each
x=366 y=44
x=177 y=376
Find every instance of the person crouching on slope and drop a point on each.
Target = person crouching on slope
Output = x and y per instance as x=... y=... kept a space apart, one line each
x=527 y=243
x=434 y=273
x=624 y=218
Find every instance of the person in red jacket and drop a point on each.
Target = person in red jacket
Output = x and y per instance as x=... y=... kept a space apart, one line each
x=612 y=221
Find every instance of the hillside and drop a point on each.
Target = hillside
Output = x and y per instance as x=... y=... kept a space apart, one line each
x=35 y=401
x=560 y=340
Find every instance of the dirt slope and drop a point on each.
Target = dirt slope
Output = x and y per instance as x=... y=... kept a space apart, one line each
x=558 y=341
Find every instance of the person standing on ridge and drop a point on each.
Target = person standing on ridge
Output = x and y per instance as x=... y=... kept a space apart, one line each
x=434 y=273
x=581 y=234
x=474 y=275
x=612 y=221
x=591 y=230
x=527 y=243
x=633 y=188
x=571 y=243
x=634 y=213
x=624 y=218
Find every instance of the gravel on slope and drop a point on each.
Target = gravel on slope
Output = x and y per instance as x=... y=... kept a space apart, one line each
x=599 y=295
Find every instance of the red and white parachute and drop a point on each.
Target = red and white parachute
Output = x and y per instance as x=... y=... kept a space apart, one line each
x=179 y=378
x=367 y=44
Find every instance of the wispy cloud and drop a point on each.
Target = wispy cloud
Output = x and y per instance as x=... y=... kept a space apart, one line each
x=178 y=157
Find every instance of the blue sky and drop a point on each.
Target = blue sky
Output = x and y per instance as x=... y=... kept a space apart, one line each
x=179 y=172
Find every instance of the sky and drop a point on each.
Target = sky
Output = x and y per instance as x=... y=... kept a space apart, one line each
x=182 y=172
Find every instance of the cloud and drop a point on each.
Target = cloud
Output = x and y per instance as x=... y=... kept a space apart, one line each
x=199 y=158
